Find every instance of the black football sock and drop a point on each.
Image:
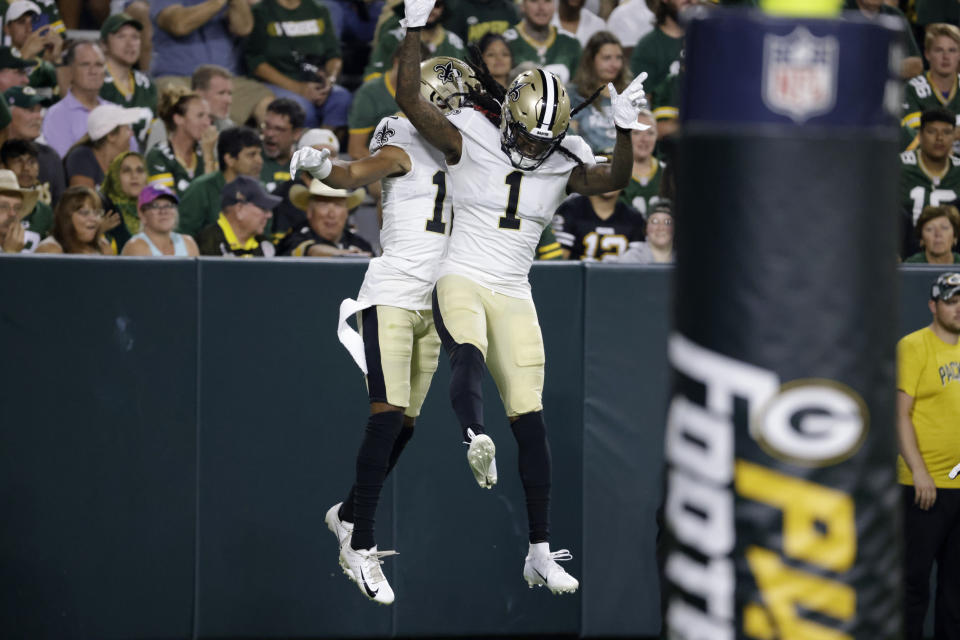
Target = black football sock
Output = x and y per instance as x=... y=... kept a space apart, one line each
x=346 y=509
x=534 y=463
x=373 y=461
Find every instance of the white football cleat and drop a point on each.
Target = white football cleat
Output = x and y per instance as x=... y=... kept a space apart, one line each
x=343 y=530
x=541 y=568
x=363 y=567
x=481 y=456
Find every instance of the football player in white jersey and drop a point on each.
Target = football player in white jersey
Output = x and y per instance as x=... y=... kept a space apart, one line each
x=510 y=165
x=399 y=346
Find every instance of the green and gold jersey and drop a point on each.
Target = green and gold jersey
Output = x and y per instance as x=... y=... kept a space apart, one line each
x=372 y=102
x=273 y=174
x=666 y=98
x=200 y=203
x=920 y=94
x=908 y=138
x=659 y=55
x=144 y=95
x=43 y=78
x=643 y=191
x=549 y=247
x=920 y=187
x=36 y=225
x=445 y=43
x=472 y=19
x=283 y=37
x=557 y=50
x=164 y=168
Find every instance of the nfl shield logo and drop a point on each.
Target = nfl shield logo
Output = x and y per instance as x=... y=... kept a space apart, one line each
x=800 y=74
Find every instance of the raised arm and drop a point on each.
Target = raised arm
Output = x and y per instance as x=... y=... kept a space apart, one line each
x=387 y=161
x=430 y=123
x=603 y=178
x=180 y=21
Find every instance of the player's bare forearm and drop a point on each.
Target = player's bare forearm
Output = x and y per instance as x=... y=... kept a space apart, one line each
x=603 y=178
x=430 y=123
x=388 y=161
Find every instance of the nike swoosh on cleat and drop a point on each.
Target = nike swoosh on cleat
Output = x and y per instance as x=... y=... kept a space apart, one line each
x=542 y=577
x=366 y=587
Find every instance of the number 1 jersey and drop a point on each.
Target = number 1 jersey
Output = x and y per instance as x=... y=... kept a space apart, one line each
x=501 y=211
x=416 y=222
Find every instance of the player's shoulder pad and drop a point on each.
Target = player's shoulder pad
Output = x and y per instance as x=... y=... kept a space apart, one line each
x=392 y=130
x=908 y=157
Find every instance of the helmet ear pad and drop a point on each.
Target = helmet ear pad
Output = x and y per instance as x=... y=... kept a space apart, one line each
x=535 y=115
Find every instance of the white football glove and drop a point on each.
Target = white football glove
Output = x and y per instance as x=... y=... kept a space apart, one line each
x=627 y=105
x=416 y=12
x=316 y=163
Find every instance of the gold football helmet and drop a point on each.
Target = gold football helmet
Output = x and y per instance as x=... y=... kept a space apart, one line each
x=445 y=81
x=534 y=118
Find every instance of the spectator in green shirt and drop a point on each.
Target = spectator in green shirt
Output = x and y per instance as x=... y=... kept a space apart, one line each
x=373 y=101
x=282 y=127
x=295 y=50
x=472 y=19
x=123 y=85
x=659 y=52
x=13 y=70
x=35 y=40
x=912 y=65
x=20 y=156
x=937 y=231
x=188 y=151
x=535 y=40
x=239 y=153
x=438 y=40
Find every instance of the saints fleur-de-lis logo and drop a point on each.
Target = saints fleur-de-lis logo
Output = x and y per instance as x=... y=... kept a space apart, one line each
x=514 y=93
x=447 y=73
x=383 y=134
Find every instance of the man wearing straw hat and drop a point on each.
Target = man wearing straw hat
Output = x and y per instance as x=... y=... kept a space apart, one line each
x=326 y=233
x=14 y=204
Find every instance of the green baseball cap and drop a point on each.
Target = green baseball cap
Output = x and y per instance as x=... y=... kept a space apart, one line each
x=10 y=61
x=23 y=97
x=115 y=22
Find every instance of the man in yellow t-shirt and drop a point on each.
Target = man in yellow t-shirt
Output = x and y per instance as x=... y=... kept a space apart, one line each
x=928 y=433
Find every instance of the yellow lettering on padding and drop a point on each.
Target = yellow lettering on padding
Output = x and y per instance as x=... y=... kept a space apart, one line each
x=782 y=589
x=805 y=505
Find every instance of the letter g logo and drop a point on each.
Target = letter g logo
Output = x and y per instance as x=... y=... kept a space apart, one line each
x=812 y=423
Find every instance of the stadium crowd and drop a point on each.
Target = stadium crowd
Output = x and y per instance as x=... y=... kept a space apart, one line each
x=136 y=135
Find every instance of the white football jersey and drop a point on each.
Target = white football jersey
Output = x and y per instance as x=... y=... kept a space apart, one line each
x=416 y=222
x=501 y=211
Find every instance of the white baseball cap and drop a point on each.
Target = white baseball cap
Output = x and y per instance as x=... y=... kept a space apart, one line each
x=107 y=117
x=313 y=137
x=18 y=8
